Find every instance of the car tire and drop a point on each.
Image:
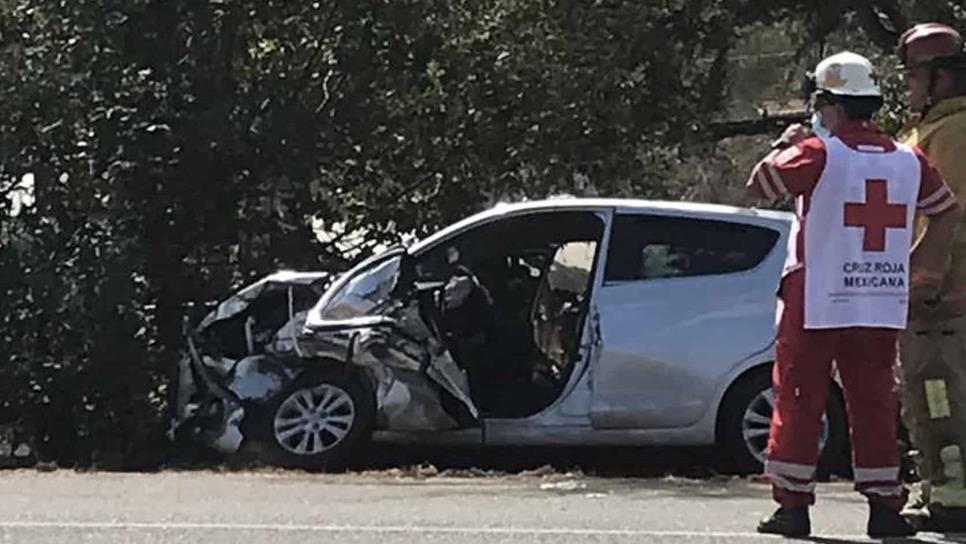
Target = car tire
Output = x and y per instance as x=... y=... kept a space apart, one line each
x=320 y=421
x=747 y=408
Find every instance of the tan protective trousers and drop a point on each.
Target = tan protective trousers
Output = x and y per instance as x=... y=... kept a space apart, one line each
x=933 y=393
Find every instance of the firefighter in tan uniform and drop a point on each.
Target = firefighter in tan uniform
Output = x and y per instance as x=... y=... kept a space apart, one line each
x=933 y=348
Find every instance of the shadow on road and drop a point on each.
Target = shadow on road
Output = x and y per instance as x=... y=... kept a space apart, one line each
x=600 y=462
x=608 y=463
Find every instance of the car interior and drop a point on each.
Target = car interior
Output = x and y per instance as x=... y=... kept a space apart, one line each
x=524 y=285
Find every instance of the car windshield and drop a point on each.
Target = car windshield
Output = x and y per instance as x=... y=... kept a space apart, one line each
x=366 y=292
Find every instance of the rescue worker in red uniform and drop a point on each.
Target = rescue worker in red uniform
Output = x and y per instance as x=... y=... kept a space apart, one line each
x=844 y=293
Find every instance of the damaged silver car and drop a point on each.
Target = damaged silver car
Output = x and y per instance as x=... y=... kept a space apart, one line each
x=559 y=322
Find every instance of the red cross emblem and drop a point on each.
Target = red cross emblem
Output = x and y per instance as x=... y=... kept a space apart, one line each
x=875 y=215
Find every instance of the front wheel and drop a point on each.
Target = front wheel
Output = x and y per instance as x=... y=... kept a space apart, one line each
x=745 y=419
x=318 y=422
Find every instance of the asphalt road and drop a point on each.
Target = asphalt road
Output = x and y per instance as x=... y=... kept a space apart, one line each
x=390 y=507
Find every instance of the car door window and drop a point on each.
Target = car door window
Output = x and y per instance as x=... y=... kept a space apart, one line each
x=648 y=247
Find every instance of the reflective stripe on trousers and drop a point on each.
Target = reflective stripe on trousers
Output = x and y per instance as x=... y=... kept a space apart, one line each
x=865 y=358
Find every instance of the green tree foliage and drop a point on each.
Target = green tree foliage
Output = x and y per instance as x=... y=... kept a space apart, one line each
x=179 y=148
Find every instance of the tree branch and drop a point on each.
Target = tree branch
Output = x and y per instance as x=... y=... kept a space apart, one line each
x=407 y=190
x=874 y=23
x=753 y=127
x=893 y=11
x=319 y=45
x=328 y=94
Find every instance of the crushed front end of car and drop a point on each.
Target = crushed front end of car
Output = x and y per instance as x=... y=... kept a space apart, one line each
x=241 y=354
x=279 y=338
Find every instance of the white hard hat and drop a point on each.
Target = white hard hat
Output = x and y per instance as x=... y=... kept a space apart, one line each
x=847 y=74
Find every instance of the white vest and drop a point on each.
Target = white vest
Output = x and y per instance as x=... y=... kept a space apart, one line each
x=858 y=234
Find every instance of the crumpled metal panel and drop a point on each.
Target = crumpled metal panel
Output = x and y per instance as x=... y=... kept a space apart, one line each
x=259 y=377
x=218 y=412
x=365 y=325
x=407 y=401
x=238 y=302
x=208 y=411
x=439 y=363
x=407 y=345
x=230 y=437
x=285 y=341
x=219 y=366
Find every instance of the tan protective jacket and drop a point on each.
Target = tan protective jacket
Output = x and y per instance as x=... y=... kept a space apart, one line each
x=941 y=135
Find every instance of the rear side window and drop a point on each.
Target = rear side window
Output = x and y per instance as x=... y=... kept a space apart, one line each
x=645 y=247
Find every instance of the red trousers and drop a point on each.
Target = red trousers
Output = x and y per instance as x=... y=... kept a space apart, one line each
x=865 y=358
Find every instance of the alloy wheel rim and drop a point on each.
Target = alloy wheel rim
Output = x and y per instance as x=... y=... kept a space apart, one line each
x=313 y=420
x=756 y=423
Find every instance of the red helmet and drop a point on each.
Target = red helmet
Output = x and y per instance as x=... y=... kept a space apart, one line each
x=928 y=41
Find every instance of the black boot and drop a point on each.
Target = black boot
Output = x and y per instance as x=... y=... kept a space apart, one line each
x=885 y=522
x=944 y=520
x=787 y=522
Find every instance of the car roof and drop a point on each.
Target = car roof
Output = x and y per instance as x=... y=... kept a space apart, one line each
x=627 y=205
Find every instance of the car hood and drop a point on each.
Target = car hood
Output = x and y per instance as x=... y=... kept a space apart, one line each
x=242 y=300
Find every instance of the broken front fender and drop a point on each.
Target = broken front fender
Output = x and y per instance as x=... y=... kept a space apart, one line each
x=404 y=359
x=210 y=408
x=204 y=412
